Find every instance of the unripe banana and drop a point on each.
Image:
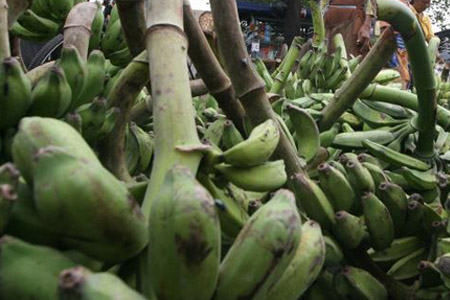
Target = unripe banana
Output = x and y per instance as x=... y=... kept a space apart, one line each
x=35 y=133
x=327 y=137
x=262 y=251
x=379 y=222
x=91 y=209
x=257 y=148
x=266 y=177
x=214 y=132
x=76 y=72
x=360 y=180
x=29 y=34
x=52 y=95
x=314 y=202
x=120 y=57
x=81 y=284
x=113 y=40
x=145 y=144
x=372 y=117
x=29 y=271
x=376 y=172
x=396 y=201
x=354 y=283
x=304 y=268
x=96 y=28
x=59 y=9
x=422 y=181
x=322 y=288
x=184 y=241
x=334 y=256
x=336 y=186
x=95 y=78
x=399 y=248
x=15 y=93
x=231 y=136
x=35 y=23
x=430 y=276
x=74 y=120
x=414 y=219
x=406 y=267
x=307 y=133
x=349 y=229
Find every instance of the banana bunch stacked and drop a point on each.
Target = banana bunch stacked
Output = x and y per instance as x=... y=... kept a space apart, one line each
x=46 y=18
x=113 y=42
x=443 y=92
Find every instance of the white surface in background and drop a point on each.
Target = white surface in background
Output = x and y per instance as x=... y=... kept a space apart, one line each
x=200 y=4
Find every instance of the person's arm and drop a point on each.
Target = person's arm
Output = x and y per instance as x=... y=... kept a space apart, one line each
x=364 y=32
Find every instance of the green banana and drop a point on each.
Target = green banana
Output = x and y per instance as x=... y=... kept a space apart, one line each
x=76 y=72
x=349 y=229
x=304 y=268
x=307 y=133
x=335 y=80
x=385 y=76
x=232 y=216
x=113 y=39
x=355 y=139
x=372 y=117
x=262 y=251
x=334 y=256
x=396 y=201
x=145 y=144
x=96 y=29
x=51 y=96
x=257 y=148
x=378 y=221
x=120 y=57
x=393 y=157
x=430 y=276
x=414 y=219
x=29 y=271
x=81 y=284
x=231 y=135
x=393 y=110
x=15 y=93
x=95 y=78
x=406 y=267
x=265 y=177
x=422 y=181
x=41 y=8
x=399 y=248
x=354 y=283
x=32 y=22
x=214 y=131
x=314 y=202
x=60 y=9
x=359 y=178
x=376 y=172
x=21 y=32
x=74 y=120
x=184 y=239
x=35 y=133
x=336 y=187
x=91 y=209
x=340 y=167
x=327 y=137
x=322 y=288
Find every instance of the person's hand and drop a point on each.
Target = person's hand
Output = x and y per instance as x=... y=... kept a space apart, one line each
x=363 y=39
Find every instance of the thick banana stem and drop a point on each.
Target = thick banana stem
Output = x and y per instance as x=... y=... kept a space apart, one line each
x=16 y=8
x=288 y=64
x=132 y=18
x=318 y=24
x=208 y=66
x=123 y=95
x=404 y=21
x=5 y=50
x=77 y=29
x=248 y=85
x=344 y=98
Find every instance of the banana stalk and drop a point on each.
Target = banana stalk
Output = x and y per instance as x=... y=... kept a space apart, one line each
x=288 y=63
x=16 y=8
x=249 y=86
x=77 y=29
x=318 y=24
x=123 y=95
x=204 y=59
x=132 y=18
x=4 y=36
x=404 y=21
x=359 y=80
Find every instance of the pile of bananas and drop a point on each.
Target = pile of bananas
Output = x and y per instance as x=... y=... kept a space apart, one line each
x=232 y=230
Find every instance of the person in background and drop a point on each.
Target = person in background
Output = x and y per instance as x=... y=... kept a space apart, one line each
x=354 y=19
x=418 y=7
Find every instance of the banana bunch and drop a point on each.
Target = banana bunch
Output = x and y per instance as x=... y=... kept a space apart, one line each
x=138 y=149
x=245 y=162
x=46 y=18
x=113 y=42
